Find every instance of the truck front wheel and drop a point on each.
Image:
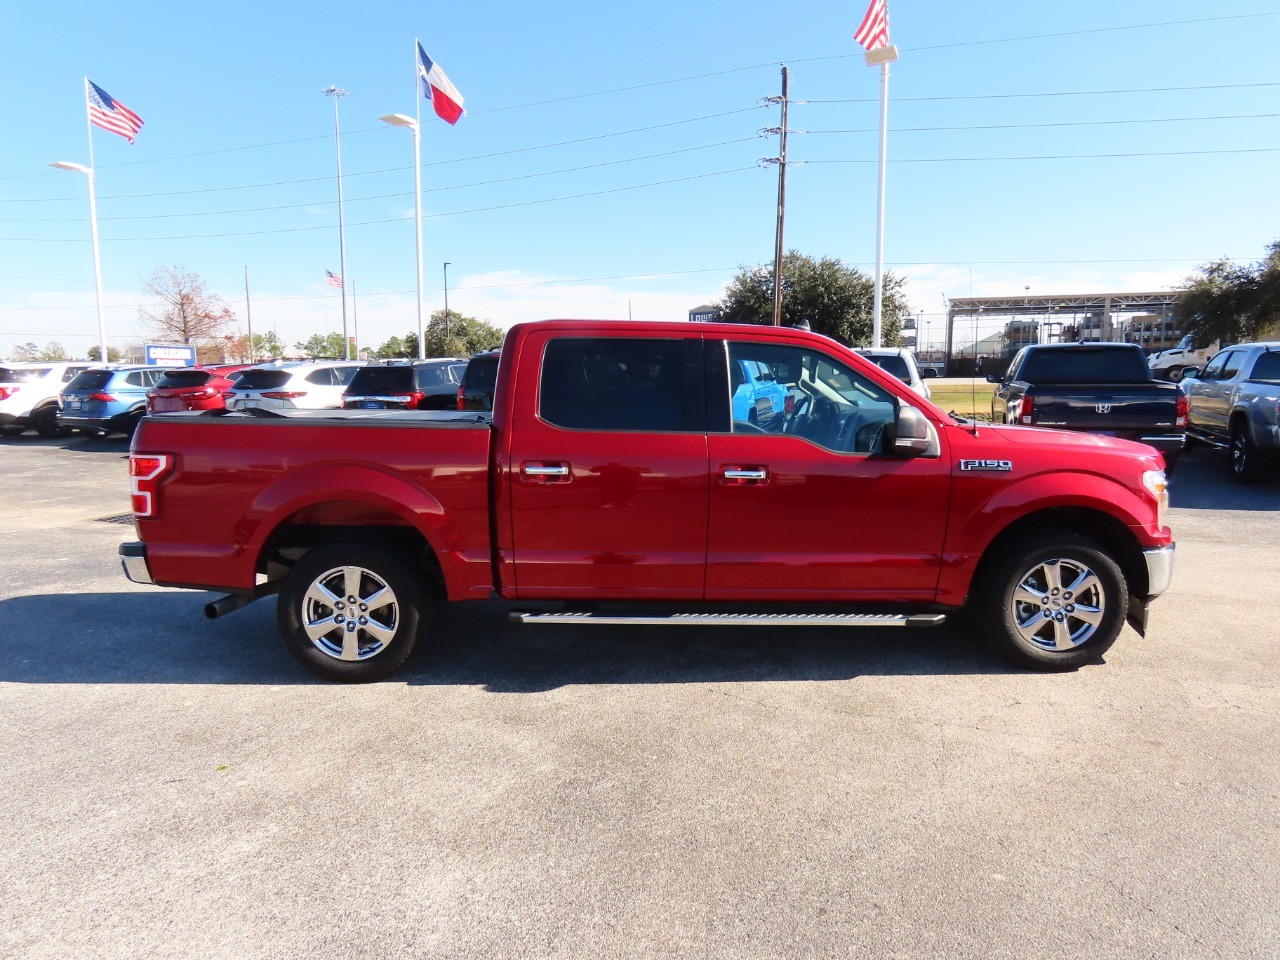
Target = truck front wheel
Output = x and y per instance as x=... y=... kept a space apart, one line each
x=1053 y=603
x=351 y=612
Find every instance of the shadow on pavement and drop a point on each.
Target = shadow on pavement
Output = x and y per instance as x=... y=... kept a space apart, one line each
x=163 y=637
x=1202 y=481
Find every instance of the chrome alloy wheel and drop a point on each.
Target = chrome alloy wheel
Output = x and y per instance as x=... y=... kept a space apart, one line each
x=350 y=613
x=1058 y=604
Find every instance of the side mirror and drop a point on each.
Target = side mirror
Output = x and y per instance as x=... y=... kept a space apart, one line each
x=911 y=434
x=993 y=378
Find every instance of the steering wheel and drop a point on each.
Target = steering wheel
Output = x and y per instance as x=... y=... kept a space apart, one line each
x=870 y=438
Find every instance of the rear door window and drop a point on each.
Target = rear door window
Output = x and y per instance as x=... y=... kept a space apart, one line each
x=1267 y=367
x=618 y=384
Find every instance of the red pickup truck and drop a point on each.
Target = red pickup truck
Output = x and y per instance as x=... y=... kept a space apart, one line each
x=669 y=473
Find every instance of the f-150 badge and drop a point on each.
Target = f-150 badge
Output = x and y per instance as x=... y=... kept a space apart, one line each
x=997 y=466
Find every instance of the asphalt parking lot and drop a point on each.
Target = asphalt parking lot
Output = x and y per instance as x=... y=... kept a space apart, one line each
x=175 y=787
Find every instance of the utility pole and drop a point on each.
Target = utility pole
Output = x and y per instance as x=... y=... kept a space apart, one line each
x=781 y=161
x=446 y=301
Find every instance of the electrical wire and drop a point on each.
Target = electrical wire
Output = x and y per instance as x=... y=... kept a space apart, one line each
x=1063 y=156
x=1041 y=126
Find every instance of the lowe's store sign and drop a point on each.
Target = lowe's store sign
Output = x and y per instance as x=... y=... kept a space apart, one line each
x=170 y=355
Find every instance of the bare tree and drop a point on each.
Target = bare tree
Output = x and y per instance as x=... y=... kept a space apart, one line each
x=187 y=313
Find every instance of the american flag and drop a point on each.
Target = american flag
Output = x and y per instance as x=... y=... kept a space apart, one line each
x=332 y=279
x=874 y=32
x=109 y=113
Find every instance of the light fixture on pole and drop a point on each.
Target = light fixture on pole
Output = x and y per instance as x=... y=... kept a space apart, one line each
x=97 y=259
x=401 y=120
x=338 y=93
x=446 y=300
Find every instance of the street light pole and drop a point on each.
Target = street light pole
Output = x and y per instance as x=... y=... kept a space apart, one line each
x=401 y=120
x=338 y=93
x=446 y=300
x=97 y=258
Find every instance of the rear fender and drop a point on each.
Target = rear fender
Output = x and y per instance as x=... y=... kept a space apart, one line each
x=348 y=483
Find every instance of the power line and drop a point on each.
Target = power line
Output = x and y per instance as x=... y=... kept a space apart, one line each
x=1063 y=156
x=388 y=196
x=366 y=223
x=1060 y=93
x=1039 y=126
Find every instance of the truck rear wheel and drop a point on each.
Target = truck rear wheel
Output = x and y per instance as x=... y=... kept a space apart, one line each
x=1053 y=604
x=351 y=612
x=45 y=422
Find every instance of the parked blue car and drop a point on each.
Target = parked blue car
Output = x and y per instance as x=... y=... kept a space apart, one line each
x=757 y=398
x=108 y=400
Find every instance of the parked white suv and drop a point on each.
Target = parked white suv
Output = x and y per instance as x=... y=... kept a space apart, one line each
x=902 y=364
x=29 y=395
x=290 y=386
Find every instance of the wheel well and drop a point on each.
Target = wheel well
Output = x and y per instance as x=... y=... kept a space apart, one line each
x=1238 y=419
x=318 y=526
x=1112 y=535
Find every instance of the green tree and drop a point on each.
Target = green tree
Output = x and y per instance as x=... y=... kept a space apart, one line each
x=323 y=346
x=267 y=346
x=53 y=350
x=837 y=301
x=466 y=336
x=24 y=352
x=114 y=354
x=1231 y=302
x=394 y=347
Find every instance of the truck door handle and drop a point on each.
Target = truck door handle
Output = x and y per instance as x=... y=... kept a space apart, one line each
x=744 y=474
x=548 y=472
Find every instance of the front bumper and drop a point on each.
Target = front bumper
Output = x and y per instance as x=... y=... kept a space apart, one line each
x=133 y=557
x=1159 y=569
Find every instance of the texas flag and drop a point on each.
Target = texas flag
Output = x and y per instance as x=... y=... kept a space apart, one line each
x=444 y=96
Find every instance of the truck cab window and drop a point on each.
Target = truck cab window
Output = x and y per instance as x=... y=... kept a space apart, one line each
x=807 y=394
x=619 y=384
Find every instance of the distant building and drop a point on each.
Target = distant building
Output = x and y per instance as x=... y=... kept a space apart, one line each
x=707 y=313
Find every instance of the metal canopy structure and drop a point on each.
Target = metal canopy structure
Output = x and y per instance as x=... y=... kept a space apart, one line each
x=1144 y=318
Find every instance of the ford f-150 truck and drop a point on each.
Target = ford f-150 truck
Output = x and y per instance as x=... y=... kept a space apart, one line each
x=1099 y=387
x=616 y=482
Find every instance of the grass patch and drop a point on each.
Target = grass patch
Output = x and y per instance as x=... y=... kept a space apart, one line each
x=967 y=401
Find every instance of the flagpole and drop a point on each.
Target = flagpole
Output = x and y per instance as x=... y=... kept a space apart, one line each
x=93 y=228
x=355 y=321
x=884 y=144
x=338 y=93
x=417 y=194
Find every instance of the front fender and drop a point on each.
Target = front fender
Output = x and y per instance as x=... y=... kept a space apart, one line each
x=995 y=510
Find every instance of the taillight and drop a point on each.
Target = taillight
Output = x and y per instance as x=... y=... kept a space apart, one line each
x=1026 y=408
x=283 y=394
x=228 y=394
x=1184 y=409
x=208 y=392
x=103 y=397
x=461 y=399
x=414 y=399
x=146 y=470
x=7 y=392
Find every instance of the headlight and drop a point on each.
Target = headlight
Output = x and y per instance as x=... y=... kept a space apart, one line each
x=1158 y=485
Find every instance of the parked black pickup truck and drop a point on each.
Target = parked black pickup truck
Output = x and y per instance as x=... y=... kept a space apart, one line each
x=1103 y=388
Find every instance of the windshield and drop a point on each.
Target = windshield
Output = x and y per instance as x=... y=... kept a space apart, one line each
x=263 y=379
x=1085 y=365
x=184 y=379
x=90 y=380
x=372 y=380
x=893 y=364
x=22 y=374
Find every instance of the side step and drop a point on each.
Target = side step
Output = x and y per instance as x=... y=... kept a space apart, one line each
x=741 y=619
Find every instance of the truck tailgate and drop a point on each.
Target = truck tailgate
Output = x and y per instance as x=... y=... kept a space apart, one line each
x=1105 y=408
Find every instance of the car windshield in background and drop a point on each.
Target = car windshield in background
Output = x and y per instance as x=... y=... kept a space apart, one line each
x=1085 y=366
x=1267 y=367
x=894 y=365
x=90 y=380
x=371 y=380
x=182 y=379
x=22 y=374
x=263 y=379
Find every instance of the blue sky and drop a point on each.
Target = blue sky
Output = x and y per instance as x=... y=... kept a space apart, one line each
x=609 y=160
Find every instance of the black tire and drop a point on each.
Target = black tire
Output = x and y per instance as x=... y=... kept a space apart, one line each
x=1070 y=635
x=1175 y=374
x=131 y=426
x=1246 y=460
x=12 y=430
x=45 y=422
x=369 y=655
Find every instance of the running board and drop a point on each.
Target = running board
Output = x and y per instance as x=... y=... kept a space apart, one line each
x=741 y=619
